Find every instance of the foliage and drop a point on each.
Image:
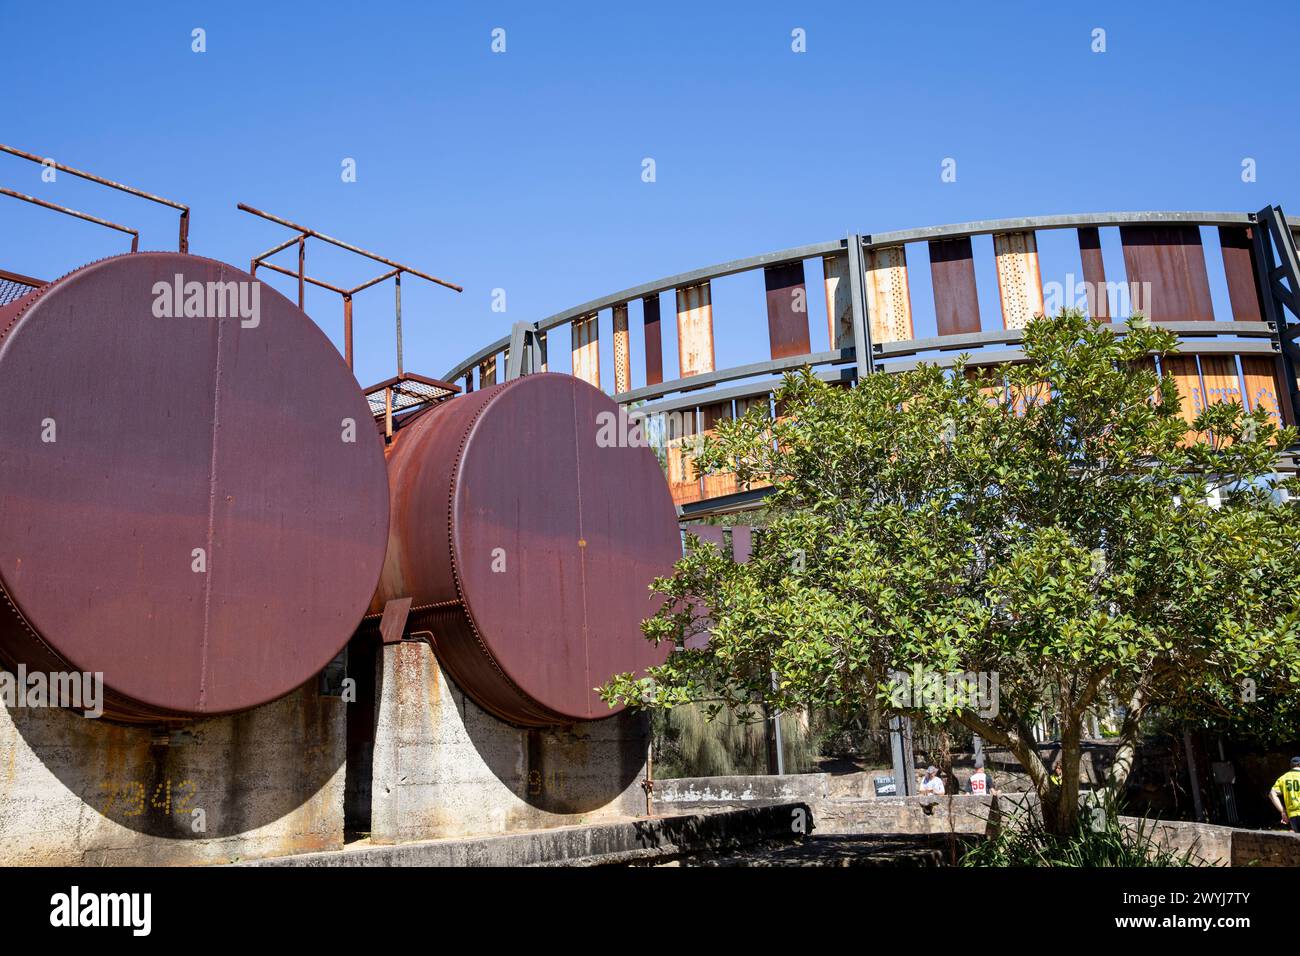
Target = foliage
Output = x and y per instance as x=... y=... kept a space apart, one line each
x=1048 y=522
x=1099 y=838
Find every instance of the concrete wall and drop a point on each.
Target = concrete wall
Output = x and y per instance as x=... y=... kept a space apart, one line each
x=1228 y=846
x=684 y=794
x=843 y=806
x=443 y=767
x=76 y=791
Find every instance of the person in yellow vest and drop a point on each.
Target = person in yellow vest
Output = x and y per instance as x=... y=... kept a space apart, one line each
x=1286 y=796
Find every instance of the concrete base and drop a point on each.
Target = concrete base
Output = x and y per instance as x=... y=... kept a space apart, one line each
x=266 y=782
x=444 y=767
x=649 y=841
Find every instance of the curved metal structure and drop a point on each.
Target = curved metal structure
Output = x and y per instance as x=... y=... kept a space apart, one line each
x=526 y=534
x=194 y=498
x=1248 y=356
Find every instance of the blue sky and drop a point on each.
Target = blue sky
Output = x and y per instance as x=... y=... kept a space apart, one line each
x=522 y=170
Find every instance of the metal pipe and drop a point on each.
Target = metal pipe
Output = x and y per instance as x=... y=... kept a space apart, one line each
x=274 y=249
x=348 y=246
x=184 y=242
x=135 y=236
x=293 y=275
x=375 y=281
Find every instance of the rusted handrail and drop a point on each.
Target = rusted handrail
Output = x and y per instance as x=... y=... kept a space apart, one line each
x=303 y=233
x=134 y=234
x=183 y=244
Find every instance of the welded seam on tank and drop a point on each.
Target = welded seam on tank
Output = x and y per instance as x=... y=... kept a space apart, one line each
x=582 y=551
x=212 y=520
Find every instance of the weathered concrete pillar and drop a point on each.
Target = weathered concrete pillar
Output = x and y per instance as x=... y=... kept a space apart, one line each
x=444 y=767
x=265 y=782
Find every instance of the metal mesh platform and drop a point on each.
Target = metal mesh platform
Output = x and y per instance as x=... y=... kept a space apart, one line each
x=14 y=287
x=408 y=391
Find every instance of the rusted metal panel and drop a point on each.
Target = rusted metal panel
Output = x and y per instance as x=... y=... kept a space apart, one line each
x=1020 y=282
x=1094 y=273
x=889 y=299
x=586 y=349
x=694 y=330
x=787 y=310
x=1238 y=250
x=487 y=372
x=1186 y=374
x=680 y=442
x=1261 y=386
x=654 y=341
x=1166 y=265
x=201 y=524
x=509 y=537
x=622 y=354
x=1221 y=380
x=721 y=483
x=956 y=301
x=839 y=302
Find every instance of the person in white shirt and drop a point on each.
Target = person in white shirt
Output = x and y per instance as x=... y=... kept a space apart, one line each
x=932 y=783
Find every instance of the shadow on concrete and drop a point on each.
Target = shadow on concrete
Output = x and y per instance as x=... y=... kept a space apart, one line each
x=241 y=772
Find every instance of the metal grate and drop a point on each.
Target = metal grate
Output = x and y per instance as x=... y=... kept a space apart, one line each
x=407 y=393
x=12 y=290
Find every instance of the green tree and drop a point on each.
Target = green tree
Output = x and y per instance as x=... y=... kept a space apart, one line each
x=1048 y=522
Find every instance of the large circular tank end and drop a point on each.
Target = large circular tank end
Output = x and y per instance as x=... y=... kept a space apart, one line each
x=527 y=530
x=183 y=505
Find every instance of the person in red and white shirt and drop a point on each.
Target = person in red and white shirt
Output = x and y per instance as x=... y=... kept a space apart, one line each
x=981 y=783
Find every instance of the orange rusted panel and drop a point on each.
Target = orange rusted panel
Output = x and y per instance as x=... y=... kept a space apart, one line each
x=1261 y=386
x=622 y=352
x=1186 y=374
x=695 y=330
x=586 y=349
x=487 y=372
x=839 y=302
x=679 y=448
x=743 y=407
x=1221 y=380
x=889 y=300
x=1019 y=279
x=721 y=483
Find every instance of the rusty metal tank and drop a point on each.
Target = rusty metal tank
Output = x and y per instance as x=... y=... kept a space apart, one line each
x=526 y=532
x=181 y=508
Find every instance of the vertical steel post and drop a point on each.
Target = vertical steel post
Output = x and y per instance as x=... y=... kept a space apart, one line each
x=302 y=272
x=347 y=329
x=397 y=284
x=862 y=347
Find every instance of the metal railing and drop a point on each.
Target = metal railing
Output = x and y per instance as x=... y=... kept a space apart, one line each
x=873 y=266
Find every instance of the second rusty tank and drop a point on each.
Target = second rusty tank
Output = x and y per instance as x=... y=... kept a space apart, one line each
x=527 y=541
